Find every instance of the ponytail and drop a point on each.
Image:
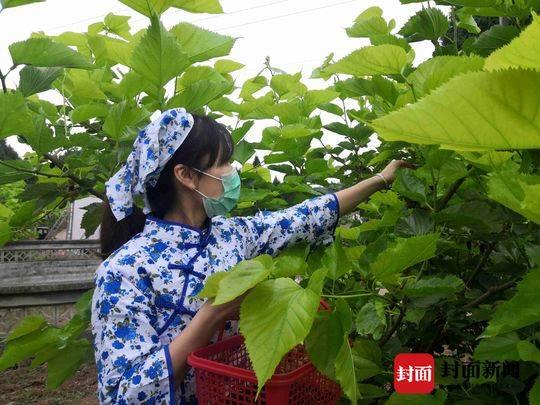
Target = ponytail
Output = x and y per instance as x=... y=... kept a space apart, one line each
x=114 y=234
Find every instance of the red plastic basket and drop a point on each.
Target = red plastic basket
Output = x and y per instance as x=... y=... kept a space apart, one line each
x=223 y=375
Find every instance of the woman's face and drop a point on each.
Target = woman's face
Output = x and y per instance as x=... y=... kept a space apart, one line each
x=209 y=185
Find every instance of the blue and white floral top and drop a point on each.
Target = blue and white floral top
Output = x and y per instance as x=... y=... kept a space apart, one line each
x=142 y=293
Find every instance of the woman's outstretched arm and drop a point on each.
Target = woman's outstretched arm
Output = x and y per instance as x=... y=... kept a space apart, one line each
x=314 y=220
x=350 y=197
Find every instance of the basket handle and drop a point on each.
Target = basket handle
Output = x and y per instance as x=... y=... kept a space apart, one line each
x=323 y=306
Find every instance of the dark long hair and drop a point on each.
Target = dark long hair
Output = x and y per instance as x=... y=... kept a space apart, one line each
x=208 y=143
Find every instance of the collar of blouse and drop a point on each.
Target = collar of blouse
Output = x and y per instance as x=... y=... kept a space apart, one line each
x=177 y=232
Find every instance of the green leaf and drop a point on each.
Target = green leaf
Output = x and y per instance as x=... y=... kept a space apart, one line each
x=336 y=261
x=243 y=276
x=36 y=80
x=528 y=351
x=30 y=324
x=285 y=83
x=316 y=281
x=199 y=6
x=201 y=44
x=427 y=24
x=516 y=191
x=404 y=253
x=324 y=341
x=45 y=52
x=148 y=7
x=369 y=23
x=211 y=286
x=227 y=66
x=467 y=22
x=158 y=57
x=345 y=372
x=494 y=38
x=275 y=317
x=297 y=131
x=15 y=118
x=251 y=86
x=427 y=286
x=314 y=98
x=198 y=86
x=88 y=111
x=499 y=348
x=371 y=60
x=123 y=118
x=290 y=262
x=118 y=24
x=446 y=116
x=17 y=3
x=67 y=362
x=371 y=319
x=243 y=151
x=521 y=310
x=436 y=71
x=534 y=393
x=523 y=51
x=409 y=186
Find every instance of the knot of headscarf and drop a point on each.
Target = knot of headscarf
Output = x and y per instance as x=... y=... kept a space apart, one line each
x=152 y=149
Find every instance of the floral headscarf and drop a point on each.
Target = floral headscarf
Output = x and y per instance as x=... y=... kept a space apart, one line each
x=152 y=149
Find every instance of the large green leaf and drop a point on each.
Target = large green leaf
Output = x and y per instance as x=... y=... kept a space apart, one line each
x=324 y=341
x=67 y=362
x=369 y=23
x=148 y=7
x=428 y=23
x=474 y=111
x=438 y=70
x=122 y=118
x=404 y=253
x=275 y=317
x=45 y=52
x=17 y=3
x=345 y=373
x=158 y=57
x=503 y=347
x=199 y=6
x=245 y=275
x=523 y=51
x=424 y=287
x=517 y=191
x=335 y=260
x=371 y=319
x=521 y=310
x=371 y=60
x=494 y=38
x=35 y=80
x=200 y=44
x=15 y=118
x=198 y=86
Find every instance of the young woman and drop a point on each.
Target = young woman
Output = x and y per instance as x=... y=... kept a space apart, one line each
x=144 y=319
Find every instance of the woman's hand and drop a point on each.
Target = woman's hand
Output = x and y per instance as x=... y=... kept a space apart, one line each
x=224 y=312
x=389 y=172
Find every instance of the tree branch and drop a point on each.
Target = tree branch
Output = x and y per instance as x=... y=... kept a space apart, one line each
x=441 y=204
x=394 y=327
x=481 y=263
x=490 y=291
x=74 y=178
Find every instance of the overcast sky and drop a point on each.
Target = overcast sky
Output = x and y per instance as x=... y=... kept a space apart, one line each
x=296 y=34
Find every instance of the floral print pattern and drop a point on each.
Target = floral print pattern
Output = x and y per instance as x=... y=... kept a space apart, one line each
x=144 y=290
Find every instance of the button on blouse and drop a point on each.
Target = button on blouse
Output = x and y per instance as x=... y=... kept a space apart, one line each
x=144 y=291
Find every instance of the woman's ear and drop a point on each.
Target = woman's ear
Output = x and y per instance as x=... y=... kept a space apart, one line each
x=185 y=176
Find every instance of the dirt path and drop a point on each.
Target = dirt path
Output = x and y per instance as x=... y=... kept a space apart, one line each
x=24 y=385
